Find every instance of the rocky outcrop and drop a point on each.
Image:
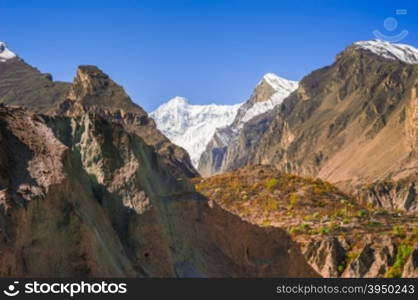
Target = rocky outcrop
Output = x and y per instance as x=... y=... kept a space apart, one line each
x=353 y=257
x=410 y=270
x=374 y=259
x=392 y=195
x=85 y=197
x=326 y=256
x=95 y=92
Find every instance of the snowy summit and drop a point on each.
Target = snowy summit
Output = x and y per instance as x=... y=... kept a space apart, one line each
x=282 y=86
x=402 y=52
x=192 y=126
x=5 y=53
x=280 y=83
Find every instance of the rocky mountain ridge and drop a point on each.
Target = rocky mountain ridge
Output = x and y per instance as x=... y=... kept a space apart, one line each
x=352 y=123
x=269 y=92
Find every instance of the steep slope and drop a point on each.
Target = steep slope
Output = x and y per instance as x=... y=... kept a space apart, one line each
x=192 y=126
x=269 y=92
x=352 y=123
x=95 y=92
x=23 y=85
x=81 y=196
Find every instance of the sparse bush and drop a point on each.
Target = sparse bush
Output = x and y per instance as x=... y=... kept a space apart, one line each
x=316 y=215
x=350 y=256
x=234 y=185
x=271 y=183
x=323 y=230
x=271 y=205
x=293 y=200
x=340 y=269
x=304 y=227
x=266 y=222
x=398 y=230
x=301 y=228
x=342 y=213
x=362 y=213
x=395 y=271
x=346 y=220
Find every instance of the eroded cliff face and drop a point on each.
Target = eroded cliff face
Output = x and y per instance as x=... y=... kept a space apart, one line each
x=391 y=195
x=82 y=196
x=50 y=226
x=93 y=91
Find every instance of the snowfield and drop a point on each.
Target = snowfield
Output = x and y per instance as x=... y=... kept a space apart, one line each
x=192 y=126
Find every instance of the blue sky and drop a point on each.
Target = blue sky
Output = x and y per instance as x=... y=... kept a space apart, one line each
x=207 y=51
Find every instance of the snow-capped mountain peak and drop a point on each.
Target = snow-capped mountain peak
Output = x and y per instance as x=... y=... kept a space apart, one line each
x=192 y=126
x=270 y=91
x=402 y=52
x=5 y=53
x=281 y=89
x=278 y=83
x=177 y=101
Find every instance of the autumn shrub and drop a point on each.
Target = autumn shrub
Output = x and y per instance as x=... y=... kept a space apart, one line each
x=271 y=183
x=395 y=271
x=293 y=200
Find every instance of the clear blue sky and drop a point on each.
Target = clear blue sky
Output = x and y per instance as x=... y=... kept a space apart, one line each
x=207 y=51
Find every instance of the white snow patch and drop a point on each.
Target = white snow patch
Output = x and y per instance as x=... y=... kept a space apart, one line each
x=402 y=52
x=283 y=89
x=279 y=83
x=5 y=53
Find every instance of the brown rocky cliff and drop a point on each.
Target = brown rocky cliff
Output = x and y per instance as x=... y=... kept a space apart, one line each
x=95 y=92
x=84 y=197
